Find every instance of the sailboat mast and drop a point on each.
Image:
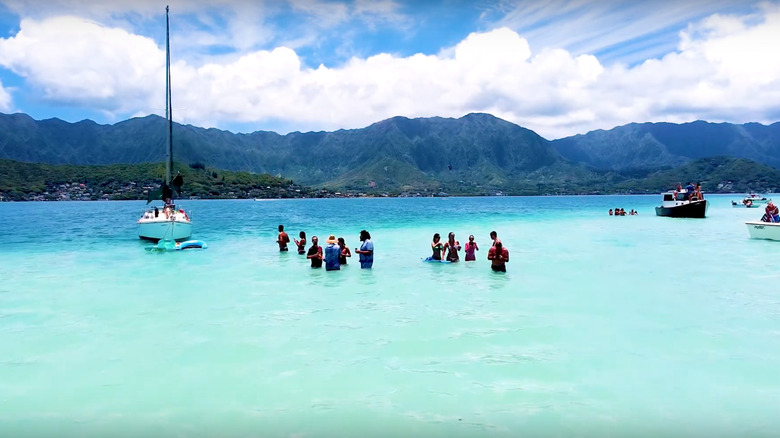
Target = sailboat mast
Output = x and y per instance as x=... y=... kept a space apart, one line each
x=168 y=106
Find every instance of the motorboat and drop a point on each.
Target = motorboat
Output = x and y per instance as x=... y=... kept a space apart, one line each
x=764 y=230
x=755 y=199
x=677 y=203
x=168 y=223
x=745 y=203
x=769 y=225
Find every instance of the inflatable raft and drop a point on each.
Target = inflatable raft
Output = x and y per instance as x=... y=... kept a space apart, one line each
x=170 y=246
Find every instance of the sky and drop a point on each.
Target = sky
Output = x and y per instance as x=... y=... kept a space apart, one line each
x=557 y=67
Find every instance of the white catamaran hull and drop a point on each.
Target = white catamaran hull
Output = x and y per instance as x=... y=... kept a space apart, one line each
x=764 y=230
x=176 y=228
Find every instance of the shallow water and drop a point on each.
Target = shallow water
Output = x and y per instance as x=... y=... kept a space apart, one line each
x=602 y=326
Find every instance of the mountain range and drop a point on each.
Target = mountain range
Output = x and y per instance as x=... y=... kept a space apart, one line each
x=477 y=153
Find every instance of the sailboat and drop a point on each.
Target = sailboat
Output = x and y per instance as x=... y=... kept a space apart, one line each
x=168 y=223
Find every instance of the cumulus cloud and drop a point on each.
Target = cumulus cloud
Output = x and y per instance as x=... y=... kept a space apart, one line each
x=78 y=62
x=723 y=69
x=6 y=101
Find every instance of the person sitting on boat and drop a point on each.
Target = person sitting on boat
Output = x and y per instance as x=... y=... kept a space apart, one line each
x=690 y=189
x=697 y=194
x=771 y=213
x=677 y=190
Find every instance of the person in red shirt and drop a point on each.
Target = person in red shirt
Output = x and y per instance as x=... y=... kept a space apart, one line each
x=498 y=256
x=771 y=213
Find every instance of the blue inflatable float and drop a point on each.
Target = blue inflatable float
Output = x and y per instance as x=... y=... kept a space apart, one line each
x=171 y=246
x=432 y=260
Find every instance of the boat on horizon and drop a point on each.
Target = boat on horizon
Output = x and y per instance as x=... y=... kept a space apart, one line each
x=745 y=203
x=676 y=203
x=168 y=223
x=754 y=198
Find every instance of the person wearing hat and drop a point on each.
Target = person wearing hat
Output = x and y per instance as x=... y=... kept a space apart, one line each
x=332 y=252
x=498 y=256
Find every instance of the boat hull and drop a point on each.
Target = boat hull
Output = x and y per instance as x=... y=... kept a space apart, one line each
x=763 y=230
x=164 y=229
x=695 y=209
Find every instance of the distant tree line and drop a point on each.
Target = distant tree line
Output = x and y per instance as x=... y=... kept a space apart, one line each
x=34 y=181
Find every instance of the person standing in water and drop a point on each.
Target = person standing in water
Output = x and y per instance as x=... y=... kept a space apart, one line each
x=436 y=246
x=332 y=252
x=315 y=253
x=301 y=244
x=493 y=237
x=451 y=248
x=283 y=239
x=366 y=250
x=498 y=256
x=470 y=247
x=344 y=251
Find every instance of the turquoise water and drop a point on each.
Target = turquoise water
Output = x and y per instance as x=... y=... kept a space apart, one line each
x=602 y=326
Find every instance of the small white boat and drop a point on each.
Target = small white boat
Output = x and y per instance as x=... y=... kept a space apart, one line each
x=769 y=225
x=755 y=199
x=745 y=204
x=764 y=230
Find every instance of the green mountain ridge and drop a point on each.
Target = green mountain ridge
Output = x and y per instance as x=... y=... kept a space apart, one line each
x=475 y=154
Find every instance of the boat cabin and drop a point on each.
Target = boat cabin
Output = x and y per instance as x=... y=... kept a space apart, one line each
x=681 y=196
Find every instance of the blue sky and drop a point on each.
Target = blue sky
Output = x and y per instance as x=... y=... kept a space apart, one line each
x=558 y=67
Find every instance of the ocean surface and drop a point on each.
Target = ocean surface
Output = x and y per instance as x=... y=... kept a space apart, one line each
x=634 y=326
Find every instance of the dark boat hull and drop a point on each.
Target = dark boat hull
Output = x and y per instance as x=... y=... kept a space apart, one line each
x=696 y=209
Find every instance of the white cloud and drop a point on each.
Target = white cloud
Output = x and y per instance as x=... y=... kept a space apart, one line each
x=71 y=60
x=619 y=29
x=6 y=101
x=724 y=69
